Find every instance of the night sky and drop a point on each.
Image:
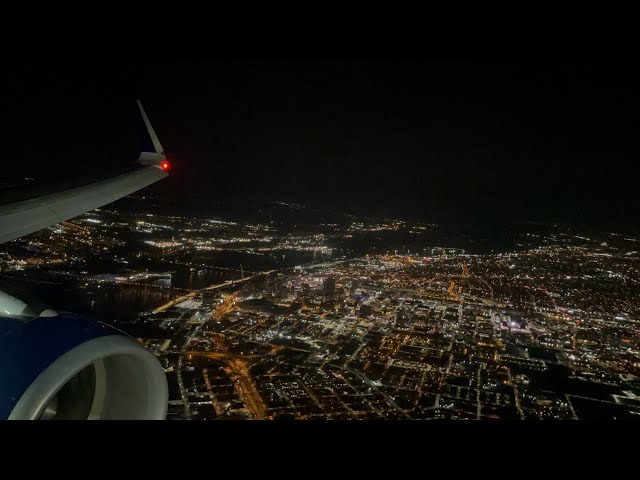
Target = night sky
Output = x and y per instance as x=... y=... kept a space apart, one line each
x=447 y=142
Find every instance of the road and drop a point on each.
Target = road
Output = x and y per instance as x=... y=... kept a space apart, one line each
x=183 y=349
x=373 y=386
x=247 y=390
x=236 y=364
x=220 y=355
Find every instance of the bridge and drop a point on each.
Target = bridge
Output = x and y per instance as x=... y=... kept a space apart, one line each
x=204 y=266
x=228 y=283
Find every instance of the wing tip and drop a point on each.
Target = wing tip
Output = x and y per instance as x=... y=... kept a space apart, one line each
x=154 y=155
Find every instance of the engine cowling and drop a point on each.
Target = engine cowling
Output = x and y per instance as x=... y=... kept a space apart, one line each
x=69 y=367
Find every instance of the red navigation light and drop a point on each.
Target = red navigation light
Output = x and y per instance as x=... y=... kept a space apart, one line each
x=165 y=165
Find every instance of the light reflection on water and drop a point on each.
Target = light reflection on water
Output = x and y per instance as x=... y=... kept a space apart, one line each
x=119 y=304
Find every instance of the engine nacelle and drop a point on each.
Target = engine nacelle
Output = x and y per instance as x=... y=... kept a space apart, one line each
x=68 y=367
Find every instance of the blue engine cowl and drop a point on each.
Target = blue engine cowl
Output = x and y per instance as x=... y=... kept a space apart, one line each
x=72 y=367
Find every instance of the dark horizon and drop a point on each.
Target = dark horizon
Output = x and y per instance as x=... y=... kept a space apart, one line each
x=444 y=142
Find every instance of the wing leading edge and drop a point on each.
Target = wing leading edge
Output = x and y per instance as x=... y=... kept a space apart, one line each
x=29 y=216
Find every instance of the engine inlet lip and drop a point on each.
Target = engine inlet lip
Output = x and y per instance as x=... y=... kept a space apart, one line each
x=49 y=382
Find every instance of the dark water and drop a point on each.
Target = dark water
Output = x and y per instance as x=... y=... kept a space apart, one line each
x=123 y=303
x=108 y=303
x=210 y=270
x=114 y=303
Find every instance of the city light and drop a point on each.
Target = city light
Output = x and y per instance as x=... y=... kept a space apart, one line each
x=362 y=335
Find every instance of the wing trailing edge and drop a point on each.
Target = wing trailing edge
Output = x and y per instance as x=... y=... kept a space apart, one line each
x=29 y=216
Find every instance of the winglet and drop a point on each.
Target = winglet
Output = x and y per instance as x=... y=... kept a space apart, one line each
x=156 y=156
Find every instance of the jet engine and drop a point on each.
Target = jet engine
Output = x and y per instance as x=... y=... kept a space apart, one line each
x=62 y=366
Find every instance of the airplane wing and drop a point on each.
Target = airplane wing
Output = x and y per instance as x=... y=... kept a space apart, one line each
x=57 y=365
x=25 y=217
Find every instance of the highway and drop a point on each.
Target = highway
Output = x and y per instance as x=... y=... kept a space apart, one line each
x=236 y=364
x=246 y=388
